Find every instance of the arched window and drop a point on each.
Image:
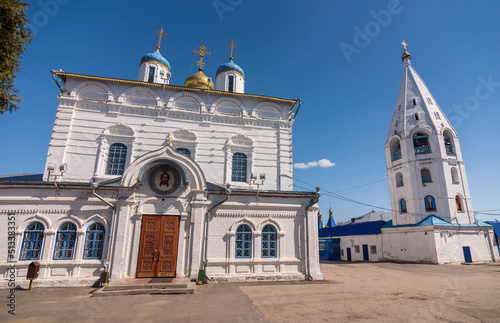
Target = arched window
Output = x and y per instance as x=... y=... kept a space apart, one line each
x=458 y=202
x=426 y=175
x=395 y=149
x=239 y=169
x=32 y=241
x=269 y=242
x=402 y=206
x=65 y=241
x=184 y=151
x=448 y=142
x=430 y=203
x=117 y=156
x=399 y=180
x=454 y=176
x=243 y=241
x=421 y=143
x=94 y=241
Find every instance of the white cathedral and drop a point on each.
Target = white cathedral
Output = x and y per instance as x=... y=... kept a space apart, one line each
x=148 y=179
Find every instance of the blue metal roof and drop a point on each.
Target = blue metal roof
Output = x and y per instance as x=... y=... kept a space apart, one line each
x=331 y=222
x=434 y=220
x=21 y=178
x=352 y=229
x=156 y=57
x=496 y=227
x=230 y=66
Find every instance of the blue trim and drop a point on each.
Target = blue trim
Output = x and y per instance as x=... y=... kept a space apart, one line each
x=32 y=241
x=243 y=242
x=94 y=241
x=269 y=242
x=65 y=241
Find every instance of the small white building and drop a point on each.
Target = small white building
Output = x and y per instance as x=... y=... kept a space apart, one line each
x=148 y=179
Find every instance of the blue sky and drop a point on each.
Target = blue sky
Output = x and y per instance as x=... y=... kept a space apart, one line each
x=310 y=50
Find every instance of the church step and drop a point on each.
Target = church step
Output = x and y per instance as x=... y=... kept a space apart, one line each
x=149 y=291
x=144 y=286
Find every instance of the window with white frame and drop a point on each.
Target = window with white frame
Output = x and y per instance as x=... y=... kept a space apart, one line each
x=115 y=150
x=239 y=155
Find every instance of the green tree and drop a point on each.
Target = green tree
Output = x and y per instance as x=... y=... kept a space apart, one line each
x=14 y=36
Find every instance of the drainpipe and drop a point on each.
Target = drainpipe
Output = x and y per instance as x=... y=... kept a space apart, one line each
x=111 y=225
x=203 y=273
x=313 y=201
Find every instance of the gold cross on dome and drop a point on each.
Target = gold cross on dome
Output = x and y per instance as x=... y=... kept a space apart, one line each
x=161 y=33
x=232 y=44
x=202 y=53
x=404 y=44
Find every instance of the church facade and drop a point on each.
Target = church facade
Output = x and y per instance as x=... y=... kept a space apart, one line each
x=148 y=179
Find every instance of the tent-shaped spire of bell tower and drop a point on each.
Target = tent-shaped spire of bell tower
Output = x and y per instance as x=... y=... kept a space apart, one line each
x=425 y=169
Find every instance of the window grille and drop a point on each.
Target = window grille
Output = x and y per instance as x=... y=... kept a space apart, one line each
x=269 y=242
x=239 y=169
x=243 y=241
x=117 y=157
x=94 y=241
x=65 y=242
x=184 y=151
x=230 y=86
x=151 y=76
x=32 y=241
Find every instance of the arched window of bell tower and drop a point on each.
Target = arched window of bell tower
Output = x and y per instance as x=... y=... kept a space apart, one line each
x=426 y=175
x=395 y=149
x=458 y=202
x=421 y=143
x=399 y=180
x=448 y=142
x=402 y=206
x=430 y=203
x=454 y=176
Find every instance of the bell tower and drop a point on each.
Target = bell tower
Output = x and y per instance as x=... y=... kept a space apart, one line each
x=425 y=170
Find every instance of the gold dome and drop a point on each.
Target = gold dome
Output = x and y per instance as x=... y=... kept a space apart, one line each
x=199 y=80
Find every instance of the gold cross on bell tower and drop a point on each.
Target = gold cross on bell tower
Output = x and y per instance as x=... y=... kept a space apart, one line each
x=161 y=33
x=232 y=45
x=202 y=53
x=404 y=44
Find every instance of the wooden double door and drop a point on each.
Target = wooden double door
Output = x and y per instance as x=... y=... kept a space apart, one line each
x=158 y=246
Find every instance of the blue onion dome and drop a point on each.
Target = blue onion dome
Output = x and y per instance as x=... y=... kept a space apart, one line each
x=230 y=66
x=156 y=57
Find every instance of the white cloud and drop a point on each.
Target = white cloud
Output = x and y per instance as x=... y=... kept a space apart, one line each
x=325 y=163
